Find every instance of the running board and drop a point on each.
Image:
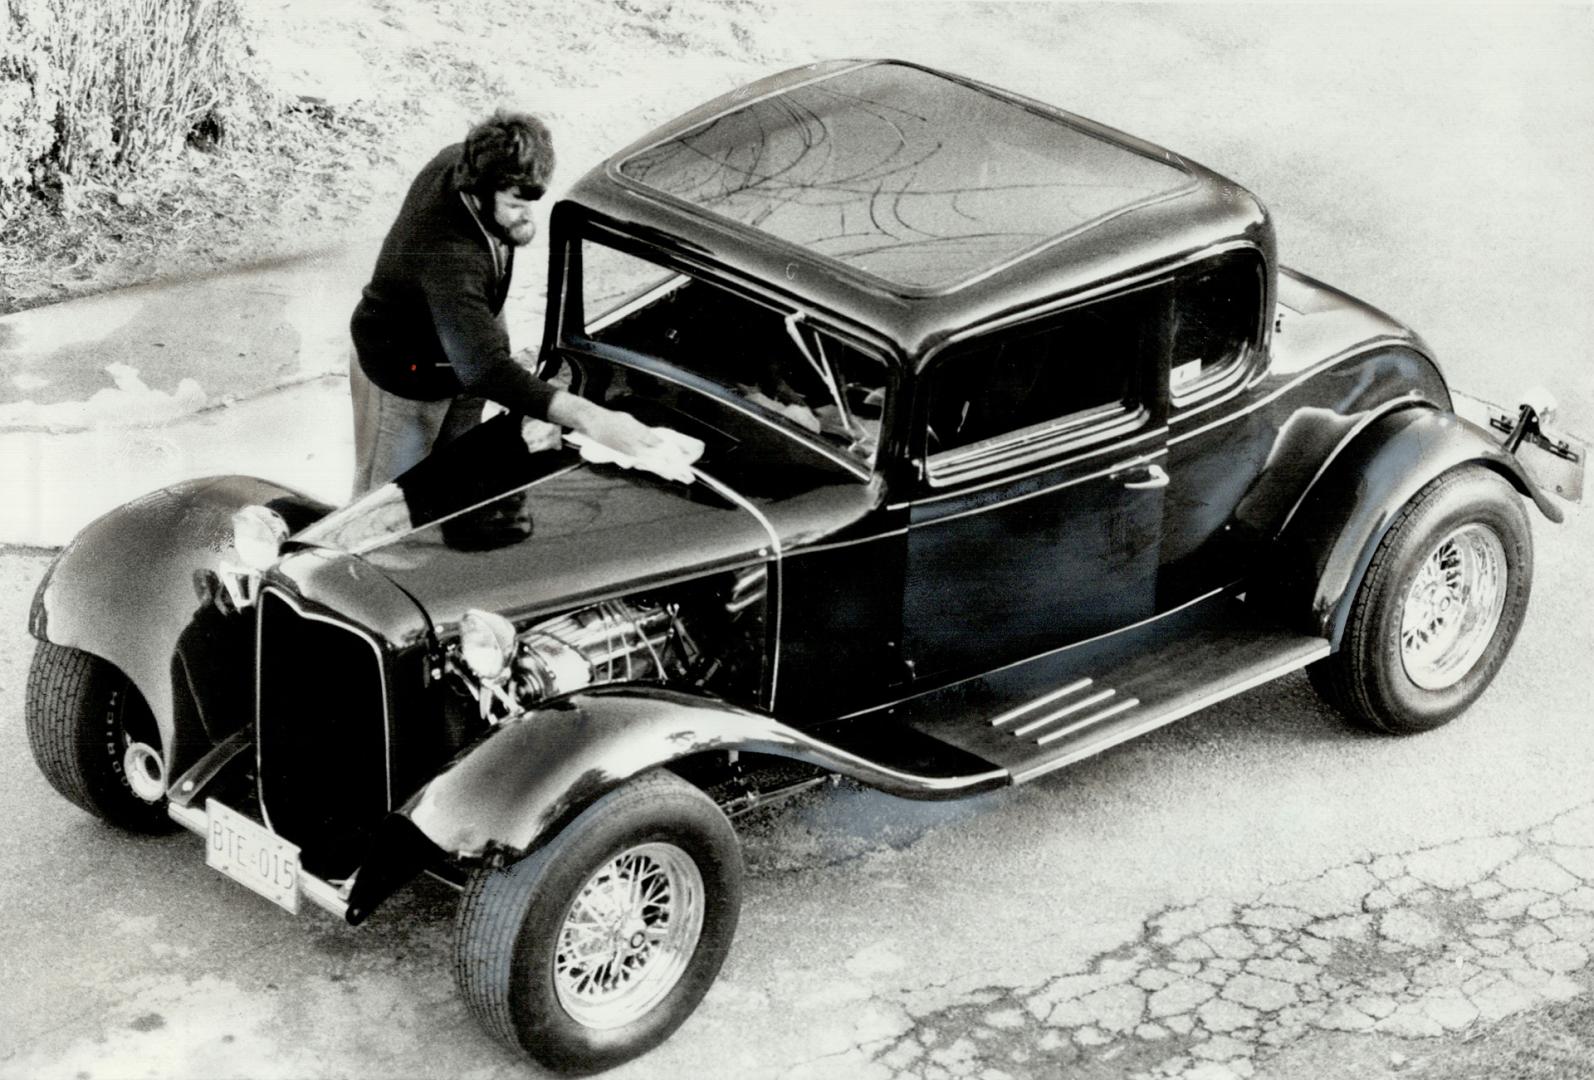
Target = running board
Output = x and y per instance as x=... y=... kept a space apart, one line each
x=1045 y=713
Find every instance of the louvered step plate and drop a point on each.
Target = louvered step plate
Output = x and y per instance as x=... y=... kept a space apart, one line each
x=1038 y=716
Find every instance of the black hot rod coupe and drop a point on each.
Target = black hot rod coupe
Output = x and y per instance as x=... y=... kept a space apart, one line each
x=1019 y=444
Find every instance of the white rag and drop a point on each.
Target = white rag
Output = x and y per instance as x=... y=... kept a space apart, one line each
x=671 y=459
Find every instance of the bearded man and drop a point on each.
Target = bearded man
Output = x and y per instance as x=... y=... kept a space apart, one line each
x=430 y=344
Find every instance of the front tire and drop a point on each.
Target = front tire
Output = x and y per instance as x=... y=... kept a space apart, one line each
x=596 y=947
x=87 y=725
x=1438 y=608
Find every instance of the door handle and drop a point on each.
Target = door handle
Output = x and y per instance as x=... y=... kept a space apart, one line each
x=1152 y=477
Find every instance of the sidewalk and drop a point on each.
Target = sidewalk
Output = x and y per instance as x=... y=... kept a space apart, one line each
x=112 y=396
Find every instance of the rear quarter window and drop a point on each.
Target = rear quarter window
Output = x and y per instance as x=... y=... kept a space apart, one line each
x=1216 y=322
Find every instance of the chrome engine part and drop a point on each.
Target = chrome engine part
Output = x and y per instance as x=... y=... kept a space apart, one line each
x=615 y=641
x=623 y=640
x=749 y=587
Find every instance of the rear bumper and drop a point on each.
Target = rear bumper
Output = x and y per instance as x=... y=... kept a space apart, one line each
x=1554 y=459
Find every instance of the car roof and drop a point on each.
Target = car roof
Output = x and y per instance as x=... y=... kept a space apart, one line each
x=913 y=202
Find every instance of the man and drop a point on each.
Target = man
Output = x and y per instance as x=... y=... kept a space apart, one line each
x=429 y=337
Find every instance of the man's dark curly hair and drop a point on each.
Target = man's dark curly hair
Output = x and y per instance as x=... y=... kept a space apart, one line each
x=509 y=151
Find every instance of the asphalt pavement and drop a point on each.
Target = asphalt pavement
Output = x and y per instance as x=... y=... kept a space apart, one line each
x=1255 y=891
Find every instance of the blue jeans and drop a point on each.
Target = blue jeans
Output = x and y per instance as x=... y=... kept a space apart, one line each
x=392 y=433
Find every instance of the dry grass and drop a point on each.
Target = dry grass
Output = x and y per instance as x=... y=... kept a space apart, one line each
x=116 y=86
x=108 y=109
x=138 y=77
x=198 y=211
x=291 y=174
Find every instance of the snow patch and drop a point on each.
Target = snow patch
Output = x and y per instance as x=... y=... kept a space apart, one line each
x=130 y=403
x=46 y=329
x=54 y=484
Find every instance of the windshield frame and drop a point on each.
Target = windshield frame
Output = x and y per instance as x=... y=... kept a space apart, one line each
x=569 y=334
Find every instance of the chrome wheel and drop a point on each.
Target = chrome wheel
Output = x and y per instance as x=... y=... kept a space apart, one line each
x=596 y=946
x=1453 y=607
x=628 y=935
x=145 y=772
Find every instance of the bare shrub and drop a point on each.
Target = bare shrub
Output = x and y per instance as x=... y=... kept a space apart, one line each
x=28 y=103
x=99 y=89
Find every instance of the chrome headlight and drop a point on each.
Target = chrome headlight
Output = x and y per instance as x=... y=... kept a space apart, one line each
x=486 y=644
x=257 y=536
x=612 y=641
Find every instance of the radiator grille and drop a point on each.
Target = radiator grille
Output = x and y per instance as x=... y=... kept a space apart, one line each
x=321 y=725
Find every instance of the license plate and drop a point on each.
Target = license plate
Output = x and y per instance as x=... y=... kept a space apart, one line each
x=252 y=855
x=1554 y=459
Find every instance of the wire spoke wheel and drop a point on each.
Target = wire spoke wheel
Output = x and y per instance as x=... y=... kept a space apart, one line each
x=628 y=935
x=1453 y=607
x=1438 y=606
x=596 y=946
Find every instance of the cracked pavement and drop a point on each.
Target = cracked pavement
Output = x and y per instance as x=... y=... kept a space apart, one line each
x=1415 y=945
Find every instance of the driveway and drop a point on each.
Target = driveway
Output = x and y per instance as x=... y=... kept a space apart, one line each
x=1256 y=891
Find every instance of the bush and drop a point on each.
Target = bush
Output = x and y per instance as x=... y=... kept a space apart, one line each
x=27 y=94
x=100 y=89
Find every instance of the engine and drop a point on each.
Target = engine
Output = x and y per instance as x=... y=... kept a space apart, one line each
x=615 y=641
x=629 y=640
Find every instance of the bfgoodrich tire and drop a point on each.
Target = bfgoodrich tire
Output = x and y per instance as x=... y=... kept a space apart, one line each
x=1438 y=608
x=596 y=947
x=82 y=714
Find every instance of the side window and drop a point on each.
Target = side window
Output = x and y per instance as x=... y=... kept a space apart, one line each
x=1059 y=379
x=1216 y=317
x=810 y=378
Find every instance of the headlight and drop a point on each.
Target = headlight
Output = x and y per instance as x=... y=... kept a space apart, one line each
x=486 y=643
x=257 y=536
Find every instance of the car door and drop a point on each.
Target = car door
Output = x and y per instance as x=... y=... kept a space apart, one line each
x=1037 y=517
x=1219 y=442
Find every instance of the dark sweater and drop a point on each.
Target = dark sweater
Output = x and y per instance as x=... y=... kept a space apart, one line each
x=429 y=325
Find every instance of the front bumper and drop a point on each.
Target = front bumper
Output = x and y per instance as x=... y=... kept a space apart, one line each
x=326 y=895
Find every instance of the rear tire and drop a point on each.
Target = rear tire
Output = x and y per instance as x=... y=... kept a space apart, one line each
x=538 y=961
x=82 y=714
x=1438 y=608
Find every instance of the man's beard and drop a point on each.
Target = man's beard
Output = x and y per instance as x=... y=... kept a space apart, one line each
x=519 y=236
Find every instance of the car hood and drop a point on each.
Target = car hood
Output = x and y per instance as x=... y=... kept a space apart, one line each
x=564 y=531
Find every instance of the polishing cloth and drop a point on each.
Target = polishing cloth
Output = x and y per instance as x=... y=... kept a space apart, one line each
x=671 y=459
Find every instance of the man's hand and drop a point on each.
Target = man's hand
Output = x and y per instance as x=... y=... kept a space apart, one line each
x=617 y=430
x=622 y=432
x=606 y=435
x=540 y=435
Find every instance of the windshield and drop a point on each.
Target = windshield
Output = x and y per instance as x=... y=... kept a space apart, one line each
x=803 y=377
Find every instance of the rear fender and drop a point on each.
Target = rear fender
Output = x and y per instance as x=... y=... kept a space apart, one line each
x=528 y=778
x=1331 y=536
x=132 y=589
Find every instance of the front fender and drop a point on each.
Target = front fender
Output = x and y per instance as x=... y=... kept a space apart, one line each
x=125 y=590
x=1331 y=536
x=528 y=778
